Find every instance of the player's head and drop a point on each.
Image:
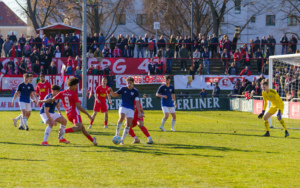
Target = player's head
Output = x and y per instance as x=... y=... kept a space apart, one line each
x=30 y=78
x=130 y=82
x=168 y=80
x=55 y=90
x=25 y=77
x=104 y=81
x=42 y=77
x=265 y=85
x=72 y=83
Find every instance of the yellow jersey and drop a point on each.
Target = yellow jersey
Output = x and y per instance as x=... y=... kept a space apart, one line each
x=274 y=98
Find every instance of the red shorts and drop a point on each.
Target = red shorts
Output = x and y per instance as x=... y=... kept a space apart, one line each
x=74 y=118
x=135 y=121
x=100 y=106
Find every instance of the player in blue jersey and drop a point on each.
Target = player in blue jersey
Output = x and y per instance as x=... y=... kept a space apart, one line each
x=168 y=102
x=25 y=91
x=50 y=118
x=126 y=110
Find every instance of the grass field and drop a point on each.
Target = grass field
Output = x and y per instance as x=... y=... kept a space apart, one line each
x=209 y=149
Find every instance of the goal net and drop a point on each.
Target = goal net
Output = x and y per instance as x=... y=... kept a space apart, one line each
x=284 y=77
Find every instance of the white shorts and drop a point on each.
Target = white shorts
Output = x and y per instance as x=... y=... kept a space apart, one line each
x=168 y=109
x=54 y=116
x=25 y=106
x=128 y=112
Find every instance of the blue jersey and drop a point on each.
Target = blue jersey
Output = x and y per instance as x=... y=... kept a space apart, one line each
x=50 y=105
x=128 y=97
x=25 y=91
x=168 y=91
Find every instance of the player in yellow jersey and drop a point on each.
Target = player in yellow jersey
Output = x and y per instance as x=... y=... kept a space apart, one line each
x=277 y=104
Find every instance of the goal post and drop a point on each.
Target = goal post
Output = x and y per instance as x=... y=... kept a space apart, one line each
x=284 y=77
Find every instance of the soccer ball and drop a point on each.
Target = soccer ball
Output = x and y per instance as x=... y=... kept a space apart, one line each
x=116 y=140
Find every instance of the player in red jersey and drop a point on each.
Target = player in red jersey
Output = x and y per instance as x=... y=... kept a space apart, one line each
x=71 y=104
x=100 y=104
x=140 y=122
x=43 y=88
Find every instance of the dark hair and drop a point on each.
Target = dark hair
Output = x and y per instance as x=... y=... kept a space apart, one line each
x=265 y=82
x=42 y=75
x=72 y=81
x=130 y=79
x=55 y=87
x=168 y=77
x=25 y=75
x=30 y=75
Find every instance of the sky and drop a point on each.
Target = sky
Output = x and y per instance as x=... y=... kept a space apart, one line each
x=16 y=8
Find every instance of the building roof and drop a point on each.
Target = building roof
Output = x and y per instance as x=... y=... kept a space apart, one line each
x=8 y=17
x=58 y=26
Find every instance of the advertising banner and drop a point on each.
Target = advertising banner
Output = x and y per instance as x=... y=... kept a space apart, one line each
x=139 y=79
x=294 y=110
x=258 y=106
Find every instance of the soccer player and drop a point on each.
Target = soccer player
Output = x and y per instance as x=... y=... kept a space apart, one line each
x=140 y=122
x=71 y=104
x=25 y=91
x=100 y=104
x=43 y=88
x=168 y=102
x=126 y=110
x=277 y=104
x=50 y=118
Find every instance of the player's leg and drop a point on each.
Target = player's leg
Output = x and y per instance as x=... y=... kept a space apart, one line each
x=84 y=131
x=172 y=111
x=91 y=122
x=145 y=131
x=279 y=117
x=166 y=116
x=63 y=123
x=120 y=121
x=15 y=120
x=47 y=132
x=266 y=119
x=131 y=132
x=127 y=127
x=105 y=119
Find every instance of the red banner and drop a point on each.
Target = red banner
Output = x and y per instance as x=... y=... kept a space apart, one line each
x=135 y=66
x=294 y=110
x=258 y=106
x=139 y=79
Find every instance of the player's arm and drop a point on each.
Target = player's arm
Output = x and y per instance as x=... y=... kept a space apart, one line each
x=265 y=107
x=37 y=90
x=17 y=93
x=83 y=110
x=58 y=108
x=174 y=100
x=113 y=94
x=109 y=99
x=47 y=100
x=96 y=97
x=280 y=106
x=49 y=116
x=158 y=93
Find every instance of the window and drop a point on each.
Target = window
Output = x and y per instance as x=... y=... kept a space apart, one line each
x=292 y=20
x=237 y=4
x=270 y=20
x=237 y=31
x=15 y=33
x=141 y=19
x=120 y=19
x=253 y=19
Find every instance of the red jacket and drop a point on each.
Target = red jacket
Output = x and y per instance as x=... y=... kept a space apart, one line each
x=243 y=72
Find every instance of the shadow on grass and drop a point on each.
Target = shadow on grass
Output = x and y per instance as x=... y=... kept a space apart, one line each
x=62 y=145
x=5 y=158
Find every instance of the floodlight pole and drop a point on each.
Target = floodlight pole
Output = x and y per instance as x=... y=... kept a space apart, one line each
x=84 y=59
x=192 y=24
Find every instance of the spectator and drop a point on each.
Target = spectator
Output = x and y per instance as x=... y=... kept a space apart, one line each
x=37 y=68
x=10 y=66
x=22 y=41
x=284 y=41
x=18 y=50
x=95 y=70
x=151 y=47
x=203 y=93
x=257 y=44
x=58 y=41
x=7 y=47
x=69 y=70
x=272 y=45
x=101 y=41
x=225 y=59
x=192 y=71
x=13 y=37
x=126 y=52
x=257 y=90
x=206 y=60
x=293 y=41
x=187 y=42
x=52 y=69
x=112 y=42
x=107 y=70
x=95 y=37
x=51 y=41
x=57 y=52
x=214 y=45
x=98 y=53
x=263 y=44
x=38 y=41
x=216 y=91
x=68 y=52
x=161 y=43
x=151 y=67
x=161 y=53
x=246 y=71
x=67 y=40
x=146 y=45
x=78 y=73
x=31 y=41
x=242 y=88
x=201 y=70
x=29 y=66
x=236 y=89
x=48 y=59
x=179 y=45
x=234 y=43
x=184 y=55
x=132 y=45
x=100 y=71
x=117 y=52
x=78 y=62
x=90 y=54
x=90 y=70
x=22 y=66
x=71 y=63
x=1 y=44
x=250 y=87
x=89 y=41
x=44 y=41
x=106 y=51
x=17 y=67
x=42 y=60
x=232 y=69
x=196 y=57
x=140 y=47
x=259 y=57
x=27 y=50
x=227 y=45
x=74 y=42
x=172 y=43
x=159 y=66
x=169 y=56
x=52 y=48
x=34 y=57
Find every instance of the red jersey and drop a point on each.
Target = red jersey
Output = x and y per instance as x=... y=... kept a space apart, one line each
x=135 y=110
x=102 y=92
x=69 y=98
x=43 y=89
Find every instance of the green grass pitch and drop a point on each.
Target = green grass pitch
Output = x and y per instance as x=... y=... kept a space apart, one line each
x=209 y=149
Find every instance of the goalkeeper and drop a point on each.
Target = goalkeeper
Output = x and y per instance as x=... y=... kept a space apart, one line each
x=277 y=104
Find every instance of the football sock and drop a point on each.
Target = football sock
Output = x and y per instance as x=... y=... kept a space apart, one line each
x=283 y=124
x=21 y=123
x=267 y=125
x=19 y=117
x=131 y=132
x=119 y=125
x=135 y=137
x=105 y=123
x=173 y=123
x=91 y=123
x=25 y=121
x=47 y=133
x=69 y=130
x=63 y=127
x=90 y=138
x=163 y=122
x=145 y=131
x=125 y=132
